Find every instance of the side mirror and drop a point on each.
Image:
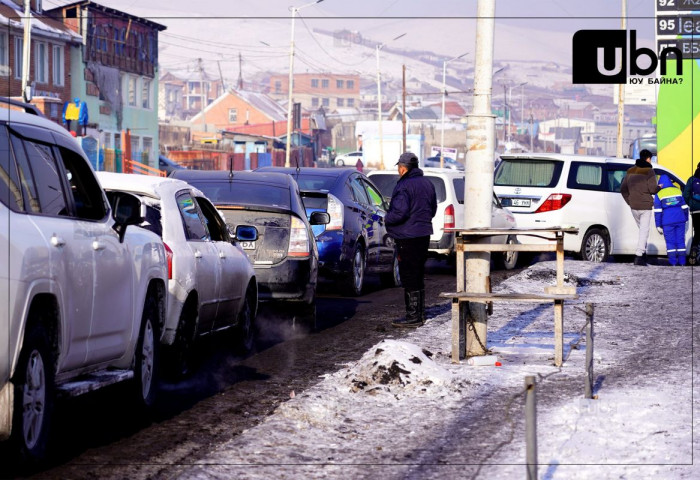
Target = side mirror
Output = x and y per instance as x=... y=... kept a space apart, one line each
x=126 y=210
x=246 y=233
x=320 y=218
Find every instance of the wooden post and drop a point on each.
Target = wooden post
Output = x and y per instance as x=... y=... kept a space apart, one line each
x=558 y=332
x=589 y=351
x=456 y=320
x=560 y=259
x=531 y=427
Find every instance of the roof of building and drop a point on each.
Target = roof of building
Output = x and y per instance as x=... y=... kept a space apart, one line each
x=11 y=15
x=111 y=11
x=260 y=101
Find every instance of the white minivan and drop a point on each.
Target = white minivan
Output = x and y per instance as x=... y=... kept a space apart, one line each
x=449 y=188
x=546 y=190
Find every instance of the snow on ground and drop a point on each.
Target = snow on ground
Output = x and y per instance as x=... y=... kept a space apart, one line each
x=405 y=411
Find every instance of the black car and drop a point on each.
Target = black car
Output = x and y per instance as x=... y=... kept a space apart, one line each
x=284 y=256
x=355 y=241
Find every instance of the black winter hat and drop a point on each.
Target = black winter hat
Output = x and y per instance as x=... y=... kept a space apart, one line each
x=408 y=158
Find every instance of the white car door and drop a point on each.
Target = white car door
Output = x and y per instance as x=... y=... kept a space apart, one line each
x=206 y=259
x=234 y=266
x=70 y=254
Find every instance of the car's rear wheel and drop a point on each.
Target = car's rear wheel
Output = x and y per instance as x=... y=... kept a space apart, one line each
x=180 y=357
x=595 y=246
x=355 y=281
x=34 y=397
x=392 y=278
x=339 y=162
x=147 y=359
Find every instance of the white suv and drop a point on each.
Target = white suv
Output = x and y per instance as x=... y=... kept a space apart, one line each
x=83 y=296
x=212 y=285
x=545 y=190
x=449 y=188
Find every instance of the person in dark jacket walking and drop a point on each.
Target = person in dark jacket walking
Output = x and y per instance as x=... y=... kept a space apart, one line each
x=691 y=195
x=638 y=188
x=409 y=223
x=671 y=215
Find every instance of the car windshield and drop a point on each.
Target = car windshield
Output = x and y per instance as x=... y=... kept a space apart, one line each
x=240 y=193
x=525 y=172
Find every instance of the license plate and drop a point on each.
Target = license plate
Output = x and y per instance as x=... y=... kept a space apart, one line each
x=520 y=202
x=247 y=245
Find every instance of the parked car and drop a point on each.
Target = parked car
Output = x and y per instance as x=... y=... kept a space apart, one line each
x=285 y=256
x=449 y=188
x=211 y=284
x=450 y=163
x=82 y=290
x=576 y=190
x=348 y=159
x=168 y=166
x=355 y=240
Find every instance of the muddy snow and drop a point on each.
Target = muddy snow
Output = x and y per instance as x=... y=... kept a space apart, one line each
x=405 y=411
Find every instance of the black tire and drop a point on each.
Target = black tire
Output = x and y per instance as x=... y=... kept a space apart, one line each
x=147 y=357
x=509 y=260
x=34 y=385
x=245 y=328
x=595 y=246
x=180 y=355
x=354 y=282
x=393 y=278
x=339 y=163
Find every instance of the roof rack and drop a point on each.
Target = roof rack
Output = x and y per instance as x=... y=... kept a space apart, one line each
x=26 y=107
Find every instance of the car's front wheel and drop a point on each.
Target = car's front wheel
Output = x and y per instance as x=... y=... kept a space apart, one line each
x=595 y=246
x=510 y=258
x=339 y=162
x=34 y=396
x=245 y=329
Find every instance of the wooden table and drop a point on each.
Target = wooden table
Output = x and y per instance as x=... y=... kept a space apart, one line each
x=471 y=240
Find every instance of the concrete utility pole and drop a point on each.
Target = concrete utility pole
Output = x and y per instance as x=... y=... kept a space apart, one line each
x=202 y=92
x=26 y=52
x=621 y=101
x=478 y=185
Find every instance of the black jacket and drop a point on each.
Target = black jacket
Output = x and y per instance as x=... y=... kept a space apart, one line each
x=413 y=206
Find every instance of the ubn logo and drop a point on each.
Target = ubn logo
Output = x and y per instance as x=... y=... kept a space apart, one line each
x=600 y=56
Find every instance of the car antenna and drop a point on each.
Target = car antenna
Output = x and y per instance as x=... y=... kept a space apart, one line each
x=296 y=159
x=230 y=168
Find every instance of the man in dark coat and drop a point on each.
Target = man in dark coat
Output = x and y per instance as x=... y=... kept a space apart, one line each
x=409 y=222
x=638 y=189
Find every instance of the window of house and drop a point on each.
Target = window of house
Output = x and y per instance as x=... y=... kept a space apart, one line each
x=278 y=86
x=131 y=90
x=350 y=84
x=58 y=65
x=326 y=102
x=232 y=115
x=4 y=53
x=19 y=47
x=147 y=149
x=341 y=102
x=325 y=83
x=339 y=83
x=351 y=102
x=146 y=93
x=314 y=102
x=41 y=65
x=314 y=82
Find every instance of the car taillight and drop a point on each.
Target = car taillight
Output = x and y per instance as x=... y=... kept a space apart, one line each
x=450 y=216
x=298 y=239
x=169 y=257
x=554 y=202
x=335 y=210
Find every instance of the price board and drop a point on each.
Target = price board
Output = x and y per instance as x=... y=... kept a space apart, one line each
x=670 y=6
x=678 y=25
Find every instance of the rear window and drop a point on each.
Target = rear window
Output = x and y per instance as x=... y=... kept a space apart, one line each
x=314 y=182
x=586 y=176
x=239 y=193
x=459 y=189
x=527 y=173
x=386 y=184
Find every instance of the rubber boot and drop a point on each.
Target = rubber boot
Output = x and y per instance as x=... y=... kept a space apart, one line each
x=421 y=306
x=412 y=318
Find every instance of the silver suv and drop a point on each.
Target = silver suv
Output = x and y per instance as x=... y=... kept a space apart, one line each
x=83 y=297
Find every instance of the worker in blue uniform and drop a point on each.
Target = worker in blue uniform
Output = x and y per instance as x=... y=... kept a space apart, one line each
x=671 y=216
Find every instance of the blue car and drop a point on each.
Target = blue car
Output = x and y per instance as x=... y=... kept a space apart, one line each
x=355 y=242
